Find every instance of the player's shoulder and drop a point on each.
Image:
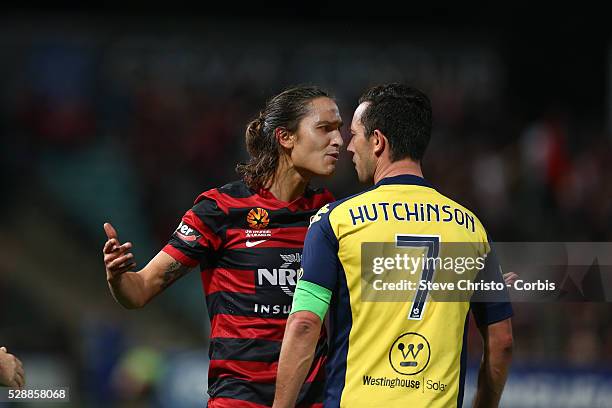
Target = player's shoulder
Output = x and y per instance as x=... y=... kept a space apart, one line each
x=347 y=201
x=222 y=198
x=326 y=211
x=233 y=190
x=445 y=200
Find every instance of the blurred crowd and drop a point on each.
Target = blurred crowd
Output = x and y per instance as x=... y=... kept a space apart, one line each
x=84 y=112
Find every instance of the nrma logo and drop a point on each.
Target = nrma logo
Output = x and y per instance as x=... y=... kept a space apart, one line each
x=285 y=276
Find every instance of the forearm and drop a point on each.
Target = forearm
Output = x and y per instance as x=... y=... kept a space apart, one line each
x=128 y=290
x=135 y=289
x=296 y=358
x=492 y=377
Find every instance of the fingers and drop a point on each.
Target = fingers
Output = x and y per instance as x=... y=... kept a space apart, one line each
x=115 y=252
x=117 y=258
x=111 y=275
x=20 y=378
x=125 y=247
x=510 y=278
x=123 y=269
x=112 y=241
x=110 y=230
x=17 y=382
x=19 y=365
x=120 y=265
x=3 y=349
x=20 y=374
x=120 y=261
x=110 y=246
x=15 y=376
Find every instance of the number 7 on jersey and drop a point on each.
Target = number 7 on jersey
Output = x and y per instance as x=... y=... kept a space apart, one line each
x=432 y=243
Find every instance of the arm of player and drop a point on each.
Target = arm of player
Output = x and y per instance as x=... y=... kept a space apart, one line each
x=311 y=301
x=496 y=359
x=11 y=370
x=135 y=289
x=297 y=352
x=310 y=304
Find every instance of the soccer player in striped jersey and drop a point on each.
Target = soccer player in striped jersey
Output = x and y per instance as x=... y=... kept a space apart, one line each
x=394 y=351
x=246 y=239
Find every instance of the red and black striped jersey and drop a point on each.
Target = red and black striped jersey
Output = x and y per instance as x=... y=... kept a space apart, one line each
x=248 y=246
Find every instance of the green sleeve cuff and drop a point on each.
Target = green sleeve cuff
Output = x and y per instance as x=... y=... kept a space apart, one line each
x=311 y=297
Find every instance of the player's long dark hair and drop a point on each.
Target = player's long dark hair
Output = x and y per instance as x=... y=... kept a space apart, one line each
x=285 y=110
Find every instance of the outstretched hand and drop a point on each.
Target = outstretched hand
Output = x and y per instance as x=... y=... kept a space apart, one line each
x=11 y=370
x=117 y=258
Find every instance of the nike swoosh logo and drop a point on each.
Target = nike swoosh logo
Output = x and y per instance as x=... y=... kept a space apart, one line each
x=251 y=244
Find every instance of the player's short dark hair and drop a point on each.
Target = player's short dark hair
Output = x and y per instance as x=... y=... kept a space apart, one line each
x=284 y=110
x=403 y=114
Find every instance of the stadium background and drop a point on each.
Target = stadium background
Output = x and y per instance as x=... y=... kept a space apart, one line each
x=112 y=115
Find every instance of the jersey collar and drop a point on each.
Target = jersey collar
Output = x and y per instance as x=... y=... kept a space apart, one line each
x=303 y=202
x=405 y=179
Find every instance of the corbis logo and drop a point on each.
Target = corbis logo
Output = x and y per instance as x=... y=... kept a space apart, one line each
x=258 y=218
x=409 y=354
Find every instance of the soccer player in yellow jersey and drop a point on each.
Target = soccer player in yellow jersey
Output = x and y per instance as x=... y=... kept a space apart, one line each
x=408 y=353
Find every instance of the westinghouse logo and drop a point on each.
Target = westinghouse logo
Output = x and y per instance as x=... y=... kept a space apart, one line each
x=409 y=354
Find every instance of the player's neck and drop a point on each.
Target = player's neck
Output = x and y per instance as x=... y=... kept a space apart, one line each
x=287 y=184
x=397 y=168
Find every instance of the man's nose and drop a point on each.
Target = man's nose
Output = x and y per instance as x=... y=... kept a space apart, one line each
x=337 y=139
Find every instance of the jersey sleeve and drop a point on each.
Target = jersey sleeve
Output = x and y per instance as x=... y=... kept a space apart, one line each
x=491 y=306
x=196 y=239
x=320 y=261
x=319 y=272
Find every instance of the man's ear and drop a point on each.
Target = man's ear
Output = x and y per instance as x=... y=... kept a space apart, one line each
x=284 y=138
x=379 y=142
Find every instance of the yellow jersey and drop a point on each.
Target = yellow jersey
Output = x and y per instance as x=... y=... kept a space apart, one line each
x=384 y=352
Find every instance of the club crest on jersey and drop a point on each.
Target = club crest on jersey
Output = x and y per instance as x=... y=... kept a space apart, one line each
x=187 y=234
x=258 y=218
x=319 y=214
